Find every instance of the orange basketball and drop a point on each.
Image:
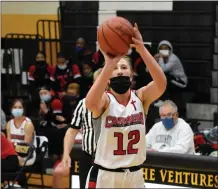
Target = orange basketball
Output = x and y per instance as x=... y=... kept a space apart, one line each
x=115 y=36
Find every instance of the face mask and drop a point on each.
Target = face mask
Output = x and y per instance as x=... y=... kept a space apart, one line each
x=120 y=84
x=78 y=49
x=168 y=123
x=40 y=63
x=17 y=112
x=62 y=67
x=164 y=52
x=45 y=98
x=70 y=98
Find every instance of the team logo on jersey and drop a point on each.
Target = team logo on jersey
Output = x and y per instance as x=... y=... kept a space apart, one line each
x=133 y=119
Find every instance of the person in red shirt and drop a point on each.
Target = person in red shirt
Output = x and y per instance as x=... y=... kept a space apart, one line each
x=65 y=72
x=9 y=157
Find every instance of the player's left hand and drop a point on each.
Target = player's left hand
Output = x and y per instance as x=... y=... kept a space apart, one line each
x=138 y=41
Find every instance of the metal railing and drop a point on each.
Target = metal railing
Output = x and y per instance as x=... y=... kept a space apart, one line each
x=50 y=31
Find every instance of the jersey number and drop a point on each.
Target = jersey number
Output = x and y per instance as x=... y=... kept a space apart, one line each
x=133 y=136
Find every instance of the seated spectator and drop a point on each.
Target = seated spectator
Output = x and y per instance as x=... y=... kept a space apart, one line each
x=87 y=80
x=172 y=134
x=82 y=50
x=53 y=123
x=70 y=100
x=21 y=130
x=40 y=73
x=173 y=70
x=64 y=74
x=3 y=120
x=9 y=159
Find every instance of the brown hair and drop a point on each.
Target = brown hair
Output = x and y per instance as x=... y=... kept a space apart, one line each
x=18 y=100
x=75 y=86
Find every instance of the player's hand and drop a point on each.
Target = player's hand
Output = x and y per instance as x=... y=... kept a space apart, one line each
x=138 y=41
x=66 y=161
x=111 y=60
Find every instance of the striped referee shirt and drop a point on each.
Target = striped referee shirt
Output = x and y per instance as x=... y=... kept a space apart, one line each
x=82 y=118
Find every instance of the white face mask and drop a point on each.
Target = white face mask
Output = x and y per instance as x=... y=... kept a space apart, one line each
x=164 y=52
x=62 y=67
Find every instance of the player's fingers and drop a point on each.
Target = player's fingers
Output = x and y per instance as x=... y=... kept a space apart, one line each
x=132 y=45
x=136 y=41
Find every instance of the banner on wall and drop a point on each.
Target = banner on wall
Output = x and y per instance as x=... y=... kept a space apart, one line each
x=173 y=177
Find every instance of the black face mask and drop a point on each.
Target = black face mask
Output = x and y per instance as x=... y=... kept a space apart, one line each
x=120 y=84
x=40 y=63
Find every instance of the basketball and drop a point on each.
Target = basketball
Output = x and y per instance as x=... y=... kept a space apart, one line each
x=115 y=36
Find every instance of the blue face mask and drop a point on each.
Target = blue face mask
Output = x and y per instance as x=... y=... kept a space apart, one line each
x=168 y=123
x=78 y=49
x=45 y=98
x=17 y=112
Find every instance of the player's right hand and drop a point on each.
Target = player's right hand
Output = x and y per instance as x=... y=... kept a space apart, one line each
x=66 y=161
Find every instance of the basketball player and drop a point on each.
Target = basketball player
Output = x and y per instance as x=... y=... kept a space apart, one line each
x=121 y=147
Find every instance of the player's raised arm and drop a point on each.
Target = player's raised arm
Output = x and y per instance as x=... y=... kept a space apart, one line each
x=96 y=99
x=156 y=88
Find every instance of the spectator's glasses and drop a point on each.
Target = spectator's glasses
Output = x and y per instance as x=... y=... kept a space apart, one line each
x=169 y=115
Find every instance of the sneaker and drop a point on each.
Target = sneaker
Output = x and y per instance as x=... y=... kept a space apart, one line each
x=11 y=185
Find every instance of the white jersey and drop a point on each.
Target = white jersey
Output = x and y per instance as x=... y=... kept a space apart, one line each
x=121 y=142
x=17 y=135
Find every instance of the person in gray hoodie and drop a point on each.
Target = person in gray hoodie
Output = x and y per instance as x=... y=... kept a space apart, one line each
x=172 y=67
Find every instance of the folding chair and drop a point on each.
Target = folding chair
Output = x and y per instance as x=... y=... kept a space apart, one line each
x=37 y=167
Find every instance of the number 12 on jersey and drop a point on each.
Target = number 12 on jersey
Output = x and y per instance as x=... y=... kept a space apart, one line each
x=133 y=137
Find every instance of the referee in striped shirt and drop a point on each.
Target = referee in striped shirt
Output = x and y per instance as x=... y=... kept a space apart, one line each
x=82 y=119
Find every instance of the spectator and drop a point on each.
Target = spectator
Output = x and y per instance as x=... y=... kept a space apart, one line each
x=40 y=73
x=173 y=69
x=53 y=123
x=87 y=80
x=64 y=74
x=9 y=159
x=21 y=130
x=3 y=120
x=172 y=134
x=70 y=100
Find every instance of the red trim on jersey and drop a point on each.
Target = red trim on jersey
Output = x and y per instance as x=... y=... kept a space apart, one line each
x=92 y=185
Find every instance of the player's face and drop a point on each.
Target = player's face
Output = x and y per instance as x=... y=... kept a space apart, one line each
x=122 y=69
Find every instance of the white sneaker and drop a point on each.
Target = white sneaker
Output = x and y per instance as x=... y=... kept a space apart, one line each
x=158 y=104
x=14 y=186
